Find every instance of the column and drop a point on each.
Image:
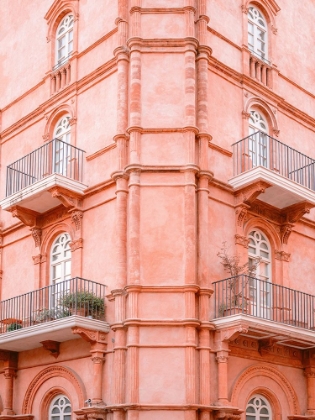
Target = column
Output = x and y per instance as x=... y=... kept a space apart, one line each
x=222 y=360
x=10 y=368
x=309 y=373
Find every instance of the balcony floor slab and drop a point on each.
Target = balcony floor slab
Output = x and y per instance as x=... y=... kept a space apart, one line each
x=282 y=193
x=57 y=330
x=261 y=329
x=36 y=197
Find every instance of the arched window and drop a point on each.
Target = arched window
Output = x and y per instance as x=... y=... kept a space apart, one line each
x=60 y=263
x=257 y=33
x=60 y=408
x=260 y=286
x=64 y=40
x=258 y=141
x=61 y=150
x=258 y=408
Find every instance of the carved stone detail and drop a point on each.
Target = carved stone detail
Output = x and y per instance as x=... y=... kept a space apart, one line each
x=90 y=336
x=37 y=236
x=77 y=244
x=28 y=217
x=76 y=217
x=249 y=194
x=286 y=232
x=221 y=359
x=241 y=215
x=244 y=9
x=282 y=256
x=241 y=240
x=68 y=199
x=52 y=347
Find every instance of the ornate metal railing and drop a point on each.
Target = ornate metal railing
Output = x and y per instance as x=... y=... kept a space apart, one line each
x=250 y=296
x=259 y=149
x=56 y=156
x=75 y=296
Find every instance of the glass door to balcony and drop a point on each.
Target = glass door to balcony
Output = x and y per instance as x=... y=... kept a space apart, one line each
x=260 y=298
x=62 y=148
x=60 y=269
x=258 y=146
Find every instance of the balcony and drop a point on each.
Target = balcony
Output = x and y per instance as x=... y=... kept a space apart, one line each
x=50 y=314
x=266 y=310
x=32 y=179
x=288 y=176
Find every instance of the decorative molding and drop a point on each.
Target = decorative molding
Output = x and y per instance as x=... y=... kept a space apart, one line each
x=262 y=370
x=27 y=217
x=90 y=336
x=37 y=236
x=296 y=211
x=241 y=240
x=76 y=217
x=76 y=244
x=282 y=256
x=241 y=213
x=43 y=376
x=52 y=347
x=69 y=199
x=220 y=149
x=248 y=194
x=269 y=6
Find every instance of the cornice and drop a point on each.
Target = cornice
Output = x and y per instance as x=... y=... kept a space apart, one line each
x=228 y=41
x=158 y=43
x=158 y=10
x=220 y=149
x=262 y=90
x=101 y=152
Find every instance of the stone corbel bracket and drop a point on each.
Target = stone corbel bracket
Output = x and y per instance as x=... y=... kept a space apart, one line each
x=292 y=215
x=227 y=413
x=225 y=335
x=70 y=200
x=247 y=195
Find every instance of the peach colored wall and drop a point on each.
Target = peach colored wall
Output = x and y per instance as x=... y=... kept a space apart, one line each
x=154 y=219
x=29 y=42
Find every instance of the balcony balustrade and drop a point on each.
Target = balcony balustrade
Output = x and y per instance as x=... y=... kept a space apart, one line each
x=289 y=173
x=49 y=313
x=54 y=164
x=267 y=309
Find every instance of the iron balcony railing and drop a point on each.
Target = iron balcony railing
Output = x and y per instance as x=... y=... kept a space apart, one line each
x=250 y=296
x=75 y=296
x=56 y=156
x=259 y=149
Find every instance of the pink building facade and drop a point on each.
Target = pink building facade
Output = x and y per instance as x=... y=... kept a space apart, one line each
x=139 y=138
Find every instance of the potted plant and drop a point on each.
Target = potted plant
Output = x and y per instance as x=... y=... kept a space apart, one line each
x=14 y=326
x=83 y=303
x=236 y=296
x=51 y=314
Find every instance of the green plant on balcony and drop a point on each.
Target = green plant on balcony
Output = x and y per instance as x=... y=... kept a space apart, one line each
x=14 y=326
x=236 y=294
x=51 y=314
x=83 y=303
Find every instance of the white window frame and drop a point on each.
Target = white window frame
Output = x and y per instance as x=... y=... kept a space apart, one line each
x=62 y=404
x=60 y=256
x=260 y=293
x=61 y=150
x=64 y=40
x=258 y=402
x=258 y=140
x=257 y=33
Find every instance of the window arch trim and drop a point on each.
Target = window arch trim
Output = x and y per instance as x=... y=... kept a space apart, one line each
x=269 y=114
x=258 y=414
x=54 y=16
x=53 y=119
